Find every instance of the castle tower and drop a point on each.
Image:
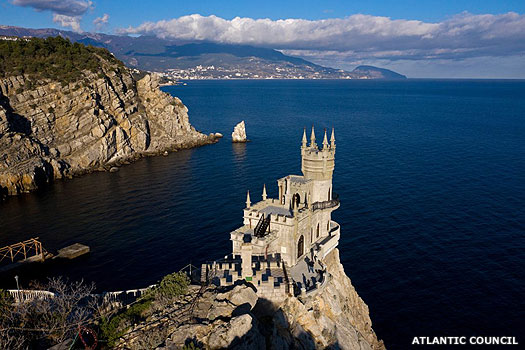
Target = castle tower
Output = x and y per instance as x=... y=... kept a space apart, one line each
x=318 y=165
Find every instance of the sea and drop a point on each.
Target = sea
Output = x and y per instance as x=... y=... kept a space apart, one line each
x=430 y=174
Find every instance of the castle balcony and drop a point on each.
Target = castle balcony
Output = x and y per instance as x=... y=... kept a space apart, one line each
x=245 y=234
x=330 y=204
x=326 y=244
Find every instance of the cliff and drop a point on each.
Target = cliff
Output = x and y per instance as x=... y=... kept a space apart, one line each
x=51 y=128
x=336 y=317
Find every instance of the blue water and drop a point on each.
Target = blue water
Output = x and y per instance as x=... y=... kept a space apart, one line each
x=431 y=177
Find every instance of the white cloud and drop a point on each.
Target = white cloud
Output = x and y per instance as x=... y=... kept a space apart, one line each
x=357 y=36
x=68 y=21
x=67 y=13
x=61 y=7
x=99 y=22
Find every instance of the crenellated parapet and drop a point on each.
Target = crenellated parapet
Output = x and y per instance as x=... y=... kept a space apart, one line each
x=295 y=229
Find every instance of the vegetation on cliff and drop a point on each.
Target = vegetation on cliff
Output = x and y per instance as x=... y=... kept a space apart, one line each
x=68 y=109
x=177 y=315
x=41 y=323
x=53 y=58
x=170 y=288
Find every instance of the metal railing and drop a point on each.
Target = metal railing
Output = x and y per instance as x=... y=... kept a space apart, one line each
x=22 y=250
x=334 y=202
x=262 y=226
x=333 y=228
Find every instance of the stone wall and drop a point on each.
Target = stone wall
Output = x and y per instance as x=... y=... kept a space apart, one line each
x=236 y=317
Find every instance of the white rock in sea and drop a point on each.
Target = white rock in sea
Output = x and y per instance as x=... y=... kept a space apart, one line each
x=239 y=133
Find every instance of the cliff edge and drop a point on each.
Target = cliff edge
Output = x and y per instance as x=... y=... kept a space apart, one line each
x=57 y=125
x=236 y=318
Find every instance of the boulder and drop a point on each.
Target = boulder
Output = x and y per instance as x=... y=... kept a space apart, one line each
x=239 y=333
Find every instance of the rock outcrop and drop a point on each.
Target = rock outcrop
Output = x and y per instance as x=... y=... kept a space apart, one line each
x=336 y=315
x=239 y=133
x=51 y=130
x=236 y=318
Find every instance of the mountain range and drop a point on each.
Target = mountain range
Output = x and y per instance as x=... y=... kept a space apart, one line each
x=204 y=60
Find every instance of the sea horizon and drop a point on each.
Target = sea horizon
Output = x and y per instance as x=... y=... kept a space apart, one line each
x=430 y=176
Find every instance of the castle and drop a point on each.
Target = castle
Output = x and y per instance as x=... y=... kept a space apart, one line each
x=281 y=246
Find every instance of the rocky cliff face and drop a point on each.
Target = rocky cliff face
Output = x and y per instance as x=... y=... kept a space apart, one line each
x=50 y=130
x=335 y=318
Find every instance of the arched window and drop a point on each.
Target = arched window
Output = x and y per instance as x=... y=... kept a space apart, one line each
x=296 y=200
x=300 y=247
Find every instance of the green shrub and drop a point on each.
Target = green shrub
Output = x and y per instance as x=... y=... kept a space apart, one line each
x=112 y=329
x=52 y=58
x=172 y=286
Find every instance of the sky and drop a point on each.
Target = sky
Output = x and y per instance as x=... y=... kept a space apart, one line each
x=421 y=39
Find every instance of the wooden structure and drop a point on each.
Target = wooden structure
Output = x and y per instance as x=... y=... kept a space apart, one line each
x=32 y=248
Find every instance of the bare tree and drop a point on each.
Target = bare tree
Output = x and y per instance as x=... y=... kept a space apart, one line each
x=60 y=316
x=52 y=319
x=12 y=340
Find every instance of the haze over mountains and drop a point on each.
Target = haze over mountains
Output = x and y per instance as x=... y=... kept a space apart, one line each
x=205 y=60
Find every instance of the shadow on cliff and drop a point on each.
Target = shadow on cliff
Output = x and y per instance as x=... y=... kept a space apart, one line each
x=16 y=122
x=270 y=328
x=271 y=322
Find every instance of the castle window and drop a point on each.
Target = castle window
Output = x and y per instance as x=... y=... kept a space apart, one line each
x=296 y=200
x=300 y=247
x=317 y=231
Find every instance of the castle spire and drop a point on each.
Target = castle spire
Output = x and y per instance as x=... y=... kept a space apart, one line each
x=264 y=193
x=332 y=139
x=304 y=138
x=325 y=140
x=312 y=138
x=248 y=202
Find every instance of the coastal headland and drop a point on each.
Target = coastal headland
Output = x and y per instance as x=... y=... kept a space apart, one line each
x=68 y=109
x=72 y=119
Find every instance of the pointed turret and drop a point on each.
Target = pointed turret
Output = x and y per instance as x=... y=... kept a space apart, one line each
x=312 y=138
x=264 y=193
x=325 y=140
x=248 y=202
x=332 y=139
x=304 y=138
